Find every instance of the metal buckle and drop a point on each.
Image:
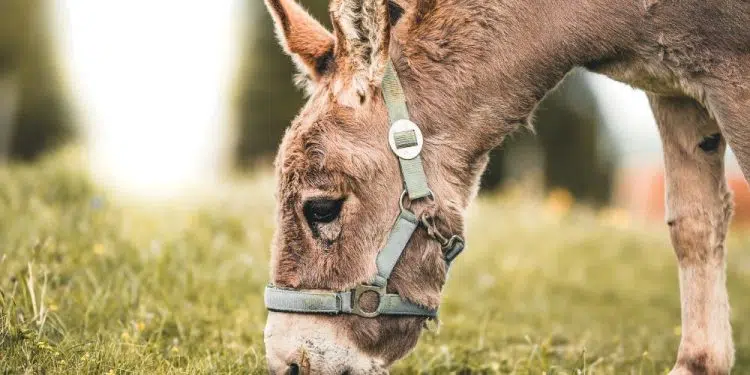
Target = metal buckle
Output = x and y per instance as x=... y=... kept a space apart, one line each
x=358 y=292
x=410 y=151
x=404 y=194
x=453 y=248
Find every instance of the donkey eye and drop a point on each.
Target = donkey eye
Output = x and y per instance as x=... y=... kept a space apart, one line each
x=322 y=210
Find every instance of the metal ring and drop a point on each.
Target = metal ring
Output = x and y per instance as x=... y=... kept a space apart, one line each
x=401 y=205
x=357 y=294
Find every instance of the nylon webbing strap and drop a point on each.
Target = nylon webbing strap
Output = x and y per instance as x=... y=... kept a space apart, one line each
x=412 y=170
x=297 y=301
x=414 y=178
x=406 y=224
x=289 y=300
x=393 y=93
x=393 y=304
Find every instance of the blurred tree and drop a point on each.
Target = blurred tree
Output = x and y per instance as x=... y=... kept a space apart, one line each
x=267 y=100
x=576 y=150
x=37 y=119
x=8 y=103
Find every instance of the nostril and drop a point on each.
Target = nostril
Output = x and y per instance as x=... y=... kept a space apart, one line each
x=293 y=369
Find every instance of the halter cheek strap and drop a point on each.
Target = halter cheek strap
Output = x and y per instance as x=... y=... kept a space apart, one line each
x=404 y=137
x=406 y=141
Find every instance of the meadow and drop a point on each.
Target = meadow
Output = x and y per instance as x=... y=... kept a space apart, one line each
x=92 y=285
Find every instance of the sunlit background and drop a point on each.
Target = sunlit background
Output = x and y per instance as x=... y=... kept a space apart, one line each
x=152 y=81
x=170 y=97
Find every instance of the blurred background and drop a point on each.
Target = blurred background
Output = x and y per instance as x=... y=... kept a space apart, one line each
x=169 y=98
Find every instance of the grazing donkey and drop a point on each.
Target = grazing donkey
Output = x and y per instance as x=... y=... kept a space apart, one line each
x=439 y=83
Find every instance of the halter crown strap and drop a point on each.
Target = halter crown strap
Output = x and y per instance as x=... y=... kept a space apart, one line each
x=407 y=136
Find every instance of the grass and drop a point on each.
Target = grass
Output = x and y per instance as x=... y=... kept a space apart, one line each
x=90 y=285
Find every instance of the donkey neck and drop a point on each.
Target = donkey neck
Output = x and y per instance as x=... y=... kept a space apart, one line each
x=480 y=67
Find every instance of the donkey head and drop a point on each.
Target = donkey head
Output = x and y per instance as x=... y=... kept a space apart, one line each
x=339 y=182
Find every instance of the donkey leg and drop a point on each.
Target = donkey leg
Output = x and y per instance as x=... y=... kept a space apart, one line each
x=699 y=207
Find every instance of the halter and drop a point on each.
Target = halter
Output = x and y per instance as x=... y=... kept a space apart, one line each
x=406 y=142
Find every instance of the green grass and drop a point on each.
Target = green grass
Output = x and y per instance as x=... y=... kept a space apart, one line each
x=90 y=285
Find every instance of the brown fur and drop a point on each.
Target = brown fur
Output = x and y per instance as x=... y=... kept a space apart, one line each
x=301 y=36
x=473 y=71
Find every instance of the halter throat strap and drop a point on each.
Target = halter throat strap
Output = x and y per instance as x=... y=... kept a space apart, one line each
x=406 y=141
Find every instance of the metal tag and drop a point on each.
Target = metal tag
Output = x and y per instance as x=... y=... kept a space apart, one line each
x=405 y=139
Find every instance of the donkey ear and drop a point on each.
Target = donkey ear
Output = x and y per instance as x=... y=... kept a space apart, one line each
x=308 y=43
x=363 y=32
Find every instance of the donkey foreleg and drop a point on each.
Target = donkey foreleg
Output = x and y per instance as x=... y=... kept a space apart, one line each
x=699 y=207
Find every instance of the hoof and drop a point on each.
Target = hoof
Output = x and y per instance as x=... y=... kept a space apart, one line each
x=681 y=371
x=686 y=371
x=699 y=365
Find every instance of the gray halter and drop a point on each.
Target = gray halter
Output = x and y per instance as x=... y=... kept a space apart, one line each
x=406 y=142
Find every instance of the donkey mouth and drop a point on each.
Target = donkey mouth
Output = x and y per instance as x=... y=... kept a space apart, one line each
x=296 y=369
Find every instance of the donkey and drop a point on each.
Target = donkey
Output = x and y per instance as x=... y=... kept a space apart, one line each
x=467 y=73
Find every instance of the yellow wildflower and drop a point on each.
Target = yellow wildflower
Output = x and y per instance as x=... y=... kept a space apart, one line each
x=559 y=201
x=99 y=249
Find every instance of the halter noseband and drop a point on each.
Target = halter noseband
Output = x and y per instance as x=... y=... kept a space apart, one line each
x=406 y=142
